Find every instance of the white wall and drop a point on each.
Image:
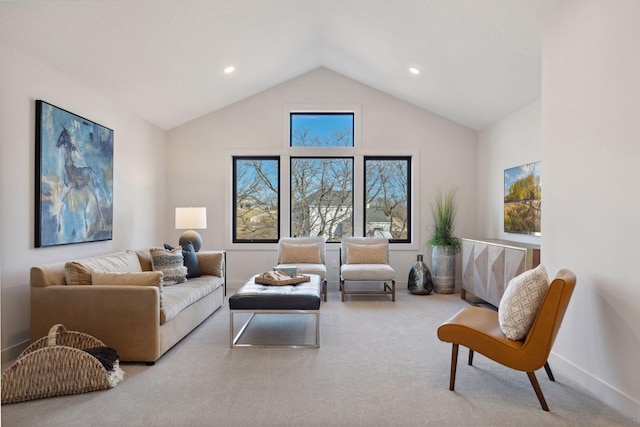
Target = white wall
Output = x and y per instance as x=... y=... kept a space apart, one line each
x=513 y=141
x=199 y=174
x=585 y=129
x=139 y=183
x=590 y=218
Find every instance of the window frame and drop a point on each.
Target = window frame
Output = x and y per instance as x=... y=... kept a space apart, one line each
x=234 y=198
x=322 y=113
x=409 y=160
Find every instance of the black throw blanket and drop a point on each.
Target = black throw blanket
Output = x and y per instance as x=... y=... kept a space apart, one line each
x=106 y=355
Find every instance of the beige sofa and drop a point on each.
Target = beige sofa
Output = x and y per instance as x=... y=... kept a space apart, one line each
x=136 y=315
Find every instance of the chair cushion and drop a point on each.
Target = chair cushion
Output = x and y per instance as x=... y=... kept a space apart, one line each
x=366 y=254
x=521 y=302
x=300 y=253
x=367 y=272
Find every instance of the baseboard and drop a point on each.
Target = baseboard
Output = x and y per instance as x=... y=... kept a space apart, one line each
x=595 y=386
x=12 y=353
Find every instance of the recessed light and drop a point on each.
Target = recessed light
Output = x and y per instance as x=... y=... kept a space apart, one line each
x=414 y=70
x=230 y=69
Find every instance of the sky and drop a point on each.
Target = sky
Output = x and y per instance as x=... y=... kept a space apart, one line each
x=513 y=174
x=321 y=125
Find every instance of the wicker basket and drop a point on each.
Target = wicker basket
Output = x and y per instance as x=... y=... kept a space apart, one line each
x=57 y=365
x=266 y=279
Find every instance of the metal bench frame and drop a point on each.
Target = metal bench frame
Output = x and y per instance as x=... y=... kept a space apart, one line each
x=233 y=339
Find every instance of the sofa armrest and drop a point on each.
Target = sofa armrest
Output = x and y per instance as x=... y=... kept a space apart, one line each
x=126 y=318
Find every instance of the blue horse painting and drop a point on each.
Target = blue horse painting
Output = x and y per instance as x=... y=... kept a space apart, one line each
x=76 y=178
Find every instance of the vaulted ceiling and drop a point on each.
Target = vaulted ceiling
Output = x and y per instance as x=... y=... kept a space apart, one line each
x=164 y=59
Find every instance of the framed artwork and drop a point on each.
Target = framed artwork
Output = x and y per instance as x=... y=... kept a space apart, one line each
x=74 y=178
x=523 y=199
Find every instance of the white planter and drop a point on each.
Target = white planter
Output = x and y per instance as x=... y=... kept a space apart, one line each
x=443 y=266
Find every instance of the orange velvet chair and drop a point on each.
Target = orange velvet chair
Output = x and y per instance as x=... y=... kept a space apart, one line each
x=478 y=329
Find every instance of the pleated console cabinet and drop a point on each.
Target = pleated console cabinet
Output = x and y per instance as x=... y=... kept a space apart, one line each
x=489 y=264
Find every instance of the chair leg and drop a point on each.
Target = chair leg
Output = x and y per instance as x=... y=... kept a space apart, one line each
x=538 y=390
x=393 y=291
x=549 y=373
x=454 y=364
x=342 y=284
x=324 y=289
x=470 y=357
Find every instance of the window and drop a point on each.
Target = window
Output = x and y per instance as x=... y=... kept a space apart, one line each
x=387 y=197
x=256 y=208
x=322 y=197
x=321 y=130
x=336 y=188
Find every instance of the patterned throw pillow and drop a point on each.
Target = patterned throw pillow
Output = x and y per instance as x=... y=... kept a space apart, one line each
x=190 y=259
x=366 y=254
x=300 y=253
x=171 y=263
x=521 y=302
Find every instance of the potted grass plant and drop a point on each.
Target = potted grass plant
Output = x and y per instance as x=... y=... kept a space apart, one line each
x=443 y=242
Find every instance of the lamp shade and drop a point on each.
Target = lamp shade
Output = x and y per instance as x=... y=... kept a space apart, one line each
x=188 y=219
x=191 y=218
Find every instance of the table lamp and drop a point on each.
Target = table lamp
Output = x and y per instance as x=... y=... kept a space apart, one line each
x=190 y=219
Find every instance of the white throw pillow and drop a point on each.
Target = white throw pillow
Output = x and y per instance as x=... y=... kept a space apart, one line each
x=521 y=302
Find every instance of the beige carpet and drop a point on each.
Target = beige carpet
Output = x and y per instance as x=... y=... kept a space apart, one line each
x=379 y=364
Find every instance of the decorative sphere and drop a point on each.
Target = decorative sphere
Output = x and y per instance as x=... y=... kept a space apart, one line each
x=193 y=237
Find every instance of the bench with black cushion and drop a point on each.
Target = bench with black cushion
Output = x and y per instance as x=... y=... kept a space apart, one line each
x=302 y=298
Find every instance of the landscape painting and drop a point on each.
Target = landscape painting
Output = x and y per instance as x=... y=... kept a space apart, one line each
x=523 y=199
x=74 y=178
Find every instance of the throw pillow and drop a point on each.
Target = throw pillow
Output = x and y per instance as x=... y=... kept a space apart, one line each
x=521 y=302
x=171 y=263
x=145 y=278
x=300 y=253
x=366 y=254
x=190 y=259
x=79 y=272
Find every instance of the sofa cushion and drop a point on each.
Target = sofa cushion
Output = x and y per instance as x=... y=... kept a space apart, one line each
x=366 y=254
x=145 y=278
x=177 y=298
x=521 y=302
x=79 y=272
x=171 y=263
x=300 y=253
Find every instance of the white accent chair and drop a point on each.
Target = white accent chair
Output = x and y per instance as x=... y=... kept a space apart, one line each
x=306 y=254
x=366 y=259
